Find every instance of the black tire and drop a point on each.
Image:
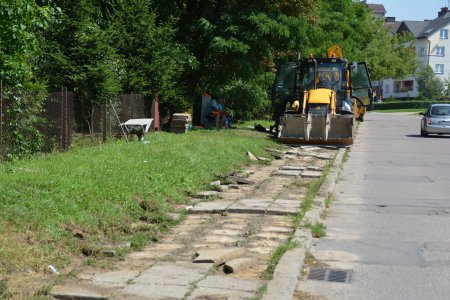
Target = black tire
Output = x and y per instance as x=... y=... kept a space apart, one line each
x=423 y=133
x=361 y=118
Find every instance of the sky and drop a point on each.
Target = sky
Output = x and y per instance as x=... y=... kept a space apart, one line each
x=412 y=10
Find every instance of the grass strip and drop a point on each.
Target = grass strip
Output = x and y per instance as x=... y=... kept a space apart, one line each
x=54 y=207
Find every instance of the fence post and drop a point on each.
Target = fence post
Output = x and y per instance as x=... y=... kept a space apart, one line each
x=104 y=122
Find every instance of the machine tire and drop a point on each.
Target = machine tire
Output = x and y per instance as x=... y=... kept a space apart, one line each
x=361 y=118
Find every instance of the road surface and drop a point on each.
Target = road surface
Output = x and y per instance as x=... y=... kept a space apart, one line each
x=390 y=221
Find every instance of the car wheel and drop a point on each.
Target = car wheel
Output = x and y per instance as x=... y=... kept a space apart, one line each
x=423 y=132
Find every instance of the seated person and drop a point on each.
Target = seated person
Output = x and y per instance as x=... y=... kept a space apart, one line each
x=216 y=112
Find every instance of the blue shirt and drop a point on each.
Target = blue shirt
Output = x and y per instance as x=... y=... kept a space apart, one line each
x=214 y=104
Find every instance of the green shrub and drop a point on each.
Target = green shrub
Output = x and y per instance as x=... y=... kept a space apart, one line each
x=404 y=104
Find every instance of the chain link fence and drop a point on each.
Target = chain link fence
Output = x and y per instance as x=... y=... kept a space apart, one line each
x=61 y=121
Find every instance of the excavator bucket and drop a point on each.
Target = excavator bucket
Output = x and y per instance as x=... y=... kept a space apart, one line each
x=312 y=129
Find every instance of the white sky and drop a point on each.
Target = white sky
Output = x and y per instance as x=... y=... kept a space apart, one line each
x=412 y=10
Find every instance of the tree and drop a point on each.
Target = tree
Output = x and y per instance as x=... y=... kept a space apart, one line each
x=362 y=38
x=236 y=45
x=153 y=60
x=18 y=21
x=429 y=85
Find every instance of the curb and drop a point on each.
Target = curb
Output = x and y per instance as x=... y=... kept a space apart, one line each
x=287 y=272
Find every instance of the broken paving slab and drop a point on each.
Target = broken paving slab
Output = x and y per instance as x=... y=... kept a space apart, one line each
x=207 y=194
x=311 y=174
x=251 y=156
x=287 y=173
x=293 y=168
x=239 y=264
x=218 y=256
x=241 y=180
x=308 y=154
x=250 y=206
x=77 y=291
x=325 y=156
x=173 y=273
x=210 y=207
x=314 y=168
x=230 y=283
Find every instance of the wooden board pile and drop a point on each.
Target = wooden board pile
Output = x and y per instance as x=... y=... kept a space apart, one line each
x=180 y=123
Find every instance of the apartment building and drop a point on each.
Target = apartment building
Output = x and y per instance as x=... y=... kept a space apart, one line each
x=432 y=46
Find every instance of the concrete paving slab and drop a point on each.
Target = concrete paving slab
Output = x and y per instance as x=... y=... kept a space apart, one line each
x=77 y=291
x=173 y=273
x=311 y=174
x=207 y=194
x=289 y=156
x=239 y=264
x=314 y=168
x=114 y=277
x=325 y=156
x=230 y=283
x=241 y=180
x=282 y=211
x=223 y=188
x=203 y=293
x=155 y=291
x=218 y=256
x=308 y=154
x=250 y=205
x=293 y=168
x=211 y=207
x=287 y=173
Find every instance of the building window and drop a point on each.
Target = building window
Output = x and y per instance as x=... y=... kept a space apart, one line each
x=421 y=51
x=439 y=69
x=403 y=86
x=444 y=34
x=440 y=51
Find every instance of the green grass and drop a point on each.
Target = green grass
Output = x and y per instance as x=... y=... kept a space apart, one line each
x=318 y=230
x=276 y=256
x=113 y=193
x=251 y=124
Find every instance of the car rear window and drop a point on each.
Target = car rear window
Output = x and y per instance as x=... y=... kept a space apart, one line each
x=440 y=111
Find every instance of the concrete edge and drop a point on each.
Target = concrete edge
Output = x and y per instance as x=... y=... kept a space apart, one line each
x=288 y=270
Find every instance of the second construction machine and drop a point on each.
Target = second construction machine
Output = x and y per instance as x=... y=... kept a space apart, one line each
x=316 y=100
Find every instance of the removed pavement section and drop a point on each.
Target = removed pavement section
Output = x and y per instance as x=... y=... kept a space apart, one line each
x=240 y=231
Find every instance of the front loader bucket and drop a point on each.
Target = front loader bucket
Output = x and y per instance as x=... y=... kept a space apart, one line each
x=311 y=129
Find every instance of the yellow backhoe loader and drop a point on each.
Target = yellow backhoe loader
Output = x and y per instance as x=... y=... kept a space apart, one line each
x=316 y=100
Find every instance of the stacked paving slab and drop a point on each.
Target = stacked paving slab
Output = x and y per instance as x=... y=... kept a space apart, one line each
x=222 y=247
x=180 y=123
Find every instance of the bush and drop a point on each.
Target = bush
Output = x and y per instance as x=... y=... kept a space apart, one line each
x=404 y=104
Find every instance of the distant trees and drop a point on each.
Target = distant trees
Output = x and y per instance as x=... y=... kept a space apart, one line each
x=180 y=49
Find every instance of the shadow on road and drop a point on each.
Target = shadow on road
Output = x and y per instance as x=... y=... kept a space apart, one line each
x=427 y=137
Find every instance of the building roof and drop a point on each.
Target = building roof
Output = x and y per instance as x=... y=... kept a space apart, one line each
x=415 y=27
x=377 y=8
x=435 y=25
x=392 y=26
x=423 y=29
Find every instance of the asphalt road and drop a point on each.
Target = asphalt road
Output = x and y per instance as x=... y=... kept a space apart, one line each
x=390 y=221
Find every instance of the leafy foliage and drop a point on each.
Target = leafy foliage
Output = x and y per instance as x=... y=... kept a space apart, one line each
x=429 y=85
x=18 y=19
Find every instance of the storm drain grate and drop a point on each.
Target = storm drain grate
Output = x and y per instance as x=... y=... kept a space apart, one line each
x=333 y=275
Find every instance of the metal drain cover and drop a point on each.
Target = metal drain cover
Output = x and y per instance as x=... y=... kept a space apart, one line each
x=330 y=275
